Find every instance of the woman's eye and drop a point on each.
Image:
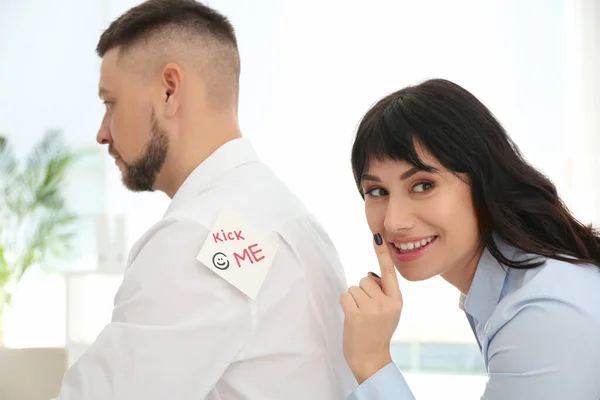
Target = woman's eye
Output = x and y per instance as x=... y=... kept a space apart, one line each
x=422 y=187
x=108 y=105
x=376 y=192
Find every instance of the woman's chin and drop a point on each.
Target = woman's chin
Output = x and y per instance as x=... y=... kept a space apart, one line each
x=412 y=274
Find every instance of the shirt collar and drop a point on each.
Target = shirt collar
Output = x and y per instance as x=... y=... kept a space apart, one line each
x=229 y=156
x=486 y=288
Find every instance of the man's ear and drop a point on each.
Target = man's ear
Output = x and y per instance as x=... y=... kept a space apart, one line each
x=171 y=83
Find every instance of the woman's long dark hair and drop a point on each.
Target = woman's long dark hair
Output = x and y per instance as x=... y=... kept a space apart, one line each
x=513 y=200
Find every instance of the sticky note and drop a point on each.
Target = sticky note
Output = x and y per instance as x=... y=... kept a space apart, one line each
x=238 y=253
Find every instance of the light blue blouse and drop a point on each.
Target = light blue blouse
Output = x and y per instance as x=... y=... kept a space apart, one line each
x=538 y=330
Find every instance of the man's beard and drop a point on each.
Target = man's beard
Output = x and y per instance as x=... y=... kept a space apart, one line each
x=140 y=176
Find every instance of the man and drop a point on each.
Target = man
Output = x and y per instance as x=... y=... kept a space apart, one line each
x=194 y=318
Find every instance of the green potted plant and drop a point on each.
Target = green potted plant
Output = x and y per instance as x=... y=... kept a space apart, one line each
x=35 y=226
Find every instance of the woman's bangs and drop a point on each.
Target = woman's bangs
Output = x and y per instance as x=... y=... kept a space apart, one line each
x=382 y=137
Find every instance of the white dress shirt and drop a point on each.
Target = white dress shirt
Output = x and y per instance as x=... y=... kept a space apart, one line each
x=180 y=331
x=538 y=330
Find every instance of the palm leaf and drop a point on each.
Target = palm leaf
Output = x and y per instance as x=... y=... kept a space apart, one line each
x=36 y=228
x=8 y=163
x=50 y=147
x=4 y=272
x=47 y=192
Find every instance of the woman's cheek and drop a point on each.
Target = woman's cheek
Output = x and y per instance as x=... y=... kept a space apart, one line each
x=375 y=212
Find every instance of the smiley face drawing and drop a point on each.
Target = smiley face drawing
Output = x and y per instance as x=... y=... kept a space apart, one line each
x=220 y=261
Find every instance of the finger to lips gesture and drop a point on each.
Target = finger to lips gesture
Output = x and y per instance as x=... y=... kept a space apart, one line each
x=372 y=312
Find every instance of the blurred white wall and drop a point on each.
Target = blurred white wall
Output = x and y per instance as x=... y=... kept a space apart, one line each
x=310 y=70
x=582 y=106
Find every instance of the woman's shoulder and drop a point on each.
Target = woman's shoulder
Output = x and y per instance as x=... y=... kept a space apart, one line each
x=556 y=283
x=544 y=330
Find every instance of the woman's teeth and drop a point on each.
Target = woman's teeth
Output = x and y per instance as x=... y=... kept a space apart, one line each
x=412 y=246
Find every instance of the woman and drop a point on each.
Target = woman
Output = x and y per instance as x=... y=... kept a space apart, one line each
x=447 y=193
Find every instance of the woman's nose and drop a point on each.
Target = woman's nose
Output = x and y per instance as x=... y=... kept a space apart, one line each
x=398 y=216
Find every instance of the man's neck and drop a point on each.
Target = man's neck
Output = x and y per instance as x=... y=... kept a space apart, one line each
x=184 y=160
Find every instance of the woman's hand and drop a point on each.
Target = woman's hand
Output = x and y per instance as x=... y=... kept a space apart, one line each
x=372 y=314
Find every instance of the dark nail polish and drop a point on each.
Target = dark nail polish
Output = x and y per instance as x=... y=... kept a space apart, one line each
x=378 y=239
x=373 y=274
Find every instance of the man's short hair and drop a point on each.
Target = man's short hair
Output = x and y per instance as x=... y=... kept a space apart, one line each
x=181 y=21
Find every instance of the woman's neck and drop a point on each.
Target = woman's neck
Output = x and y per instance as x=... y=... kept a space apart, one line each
x=462 y=275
